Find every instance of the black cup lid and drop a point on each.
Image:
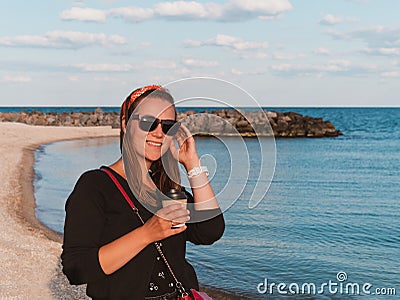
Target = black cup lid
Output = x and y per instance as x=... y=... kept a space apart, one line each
x=175 y=194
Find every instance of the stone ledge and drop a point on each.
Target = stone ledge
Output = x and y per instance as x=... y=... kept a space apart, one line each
x=226 y=122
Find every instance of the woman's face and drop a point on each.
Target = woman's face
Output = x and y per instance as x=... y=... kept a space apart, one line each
x=153 y=144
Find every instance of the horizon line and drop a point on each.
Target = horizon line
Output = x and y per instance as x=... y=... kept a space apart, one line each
x=212 y=106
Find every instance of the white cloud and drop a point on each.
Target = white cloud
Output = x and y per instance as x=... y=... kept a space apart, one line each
x=183 y=71
x=132 y=14
x=145 y=44
x=330 y=20
x=16 y=78
x=231 y=11
x=380 y=40
x=82 y=38
x=391 y=74
x=190 y=62
x=241 y=73
x=333 y=20
x=322 y=51
x=336 y=66
x=268 y=18
x=62 y=39
x=188 y=10
x=109 y=67
x=24 y=40
x=105 y=67
x=84 y=14
x=192 y=43
x=227 y=41
x=333 y=67
x=265 y=7
x=252 y=55
x=383 y=51
x=239 y=10
x=338 y=35
x=287 y=56
x=236 y=72
x=159 y=64
x=375 y=36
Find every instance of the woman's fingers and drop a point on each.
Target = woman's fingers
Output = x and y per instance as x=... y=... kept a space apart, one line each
x=174 y=212
x=160 y=225
x=186 y=131
x=185 y=140
x=180 y=219
x=181 y=141
x=180 y=137
x=174 y=151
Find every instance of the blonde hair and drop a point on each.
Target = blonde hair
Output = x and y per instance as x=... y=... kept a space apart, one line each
x=164 y=171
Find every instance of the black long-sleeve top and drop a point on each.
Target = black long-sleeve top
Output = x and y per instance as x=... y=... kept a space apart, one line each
x=97 y=214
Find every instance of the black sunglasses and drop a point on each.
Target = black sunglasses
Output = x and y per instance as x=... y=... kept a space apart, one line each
x=150 y=123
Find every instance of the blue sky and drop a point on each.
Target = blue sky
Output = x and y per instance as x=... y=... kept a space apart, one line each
x=283 y=52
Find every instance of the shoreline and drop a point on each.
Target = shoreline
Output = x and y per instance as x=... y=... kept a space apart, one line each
x=26 y=244
x=29 y=251
x=27 y=211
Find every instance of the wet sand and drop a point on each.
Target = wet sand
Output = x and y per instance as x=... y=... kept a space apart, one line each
x=30 y=251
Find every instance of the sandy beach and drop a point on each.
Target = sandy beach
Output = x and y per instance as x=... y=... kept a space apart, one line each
x=29 y=251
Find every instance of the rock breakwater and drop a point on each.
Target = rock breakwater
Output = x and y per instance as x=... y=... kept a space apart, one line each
x=215 y=122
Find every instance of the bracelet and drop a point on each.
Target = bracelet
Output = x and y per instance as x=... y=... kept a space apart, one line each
x=197 y=171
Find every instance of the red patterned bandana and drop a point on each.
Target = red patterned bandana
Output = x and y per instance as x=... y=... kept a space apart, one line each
x=136 y=94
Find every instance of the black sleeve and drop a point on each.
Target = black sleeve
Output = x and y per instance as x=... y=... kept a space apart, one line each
x=82 y=230
x=205 y=226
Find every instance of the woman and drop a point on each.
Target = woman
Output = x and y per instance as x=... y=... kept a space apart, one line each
x=105 y=244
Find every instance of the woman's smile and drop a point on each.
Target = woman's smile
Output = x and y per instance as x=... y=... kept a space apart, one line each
x=154 y=144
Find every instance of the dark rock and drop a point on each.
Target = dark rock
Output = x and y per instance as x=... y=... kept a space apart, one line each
x=98 y=111
x=84 y=119
x=282 y=125
x=242 y=123
x=272 y=115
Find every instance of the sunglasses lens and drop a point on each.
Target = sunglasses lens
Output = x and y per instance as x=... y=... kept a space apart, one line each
x=170 y=127
x=148 y=123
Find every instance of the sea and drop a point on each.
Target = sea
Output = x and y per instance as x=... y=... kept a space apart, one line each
x=326 y=227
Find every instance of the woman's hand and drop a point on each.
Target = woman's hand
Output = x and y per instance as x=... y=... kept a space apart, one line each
x=159 y=226
x=187 y=153
x=117 y=253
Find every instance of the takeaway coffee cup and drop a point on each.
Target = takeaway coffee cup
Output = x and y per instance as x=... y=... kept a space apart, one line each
x=175 y=196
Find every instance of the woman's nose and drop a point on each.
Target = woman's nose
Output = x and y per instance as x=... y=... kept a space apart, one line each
x=158 y=131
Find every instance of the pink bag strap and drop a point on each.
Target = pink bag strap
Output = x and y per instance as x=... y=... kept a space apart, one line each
x=121 y=189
